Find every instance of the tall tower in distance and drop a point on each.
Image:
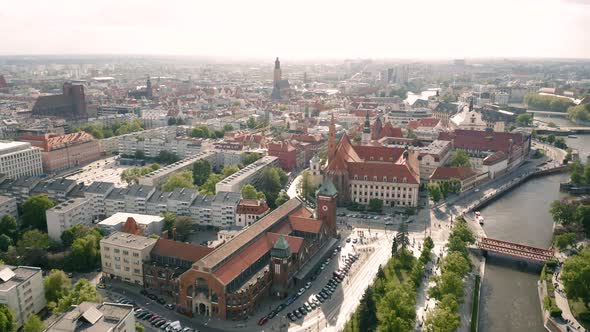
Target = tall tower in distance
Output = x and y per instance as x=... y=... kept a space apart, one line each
x=148 y=89
x=277 y=72
x=332 y=139
x=366 y=138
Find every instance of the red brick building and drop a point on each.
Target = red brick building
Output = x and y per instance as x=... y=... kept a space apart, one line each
x=61 y=152
x=262 y=260
x=286 y=153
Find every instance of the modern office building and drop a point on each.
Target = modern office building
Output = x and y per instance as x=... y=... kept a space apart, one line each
x=18 y=159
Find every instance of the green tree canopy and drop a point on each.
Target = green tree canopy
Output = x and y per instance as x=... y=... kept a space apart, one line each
x=524 y=119
x=82 y=291
x=547 y=102
x=563 y=241
x=434 y=192
x=456 y=263
x=229 y=170
x=563 y=212
x=5 y=242
x=8 y=226
x=460 y=158
x=576 y=277
x=208 y=188
x=85 y=254
x=201 y=171
x=34 y=211
x=6 y=319
x=56 y=286
x=183 y=179
x=183 y=227
x=367 y=312
x=34 y=324
x=447 y=283
x=248 y=192
x=442 y=319
x=282 y=199
x=251 y=157
x=375 y=205
x=397 y=309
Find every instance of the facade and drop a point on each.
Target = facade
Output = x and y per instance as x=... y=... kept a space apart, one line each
x=123 y=254
x=250 y=211
x=315 y=170
x=18 y=159
x=265 y=258
x=468 y=119
x=372 y=171
x=183 y=147
x=132 y=199
x=426 y=129
x=96 y=194
x=8 y=206
x=286 y=153
x=61 y=152
x=21 y=290
x=146 y=224
x=217 y=210
x=247 y=175
x=95 y=317
x=71 y=104
x=495 y=164
x=431 y=157
x=69 y=213
x=169 y=259
x=466 y=175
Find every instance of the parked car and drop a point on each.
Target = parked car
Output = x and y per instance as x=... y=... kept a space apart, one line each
x=301 y=291
x=170 y=306
x=308 y=285
x=297 y=314
x=291 y=317
x=263 y=320
x=161 y=300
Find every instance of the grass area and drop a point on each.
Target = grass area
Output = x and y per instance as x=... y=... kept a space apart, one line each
x=581 y=313
x=475 y=308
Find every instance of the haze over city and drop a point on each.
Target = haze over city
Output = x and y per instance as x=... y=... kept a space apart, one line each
x=304 y=29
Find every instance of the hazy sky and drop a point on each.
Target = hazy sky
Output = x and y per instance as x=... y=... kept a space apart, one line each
x=298 y=29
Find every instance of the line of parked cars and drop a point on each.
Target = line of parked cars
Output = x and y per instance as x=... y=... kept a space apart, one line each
x=311 y=304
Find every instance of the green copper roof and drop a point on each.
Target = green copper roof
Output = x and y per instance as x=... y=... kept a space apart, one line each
x=327 y=188
x=315 y=159
x=282 y=243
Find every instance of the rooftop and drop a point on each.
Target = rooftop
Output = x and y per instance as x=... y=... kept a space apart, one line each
x=11 y=276
x=12 y=147
x=121 y=217
x=91 y=317
x=128 y=240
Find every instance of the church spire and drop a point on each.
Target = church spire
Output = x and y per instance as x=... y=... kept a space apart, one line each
x=332 y=139
x=366 y=137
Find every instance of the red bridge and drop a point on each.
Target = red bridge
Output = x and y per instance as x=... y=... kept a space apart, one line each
x=515 y=249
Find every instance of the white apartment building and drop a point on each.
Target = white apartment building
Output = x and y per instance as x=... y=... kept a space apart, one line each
x=247 y=175
x=21 y=290
x=218 y=210
x=91 y=316
x=8 y=206
x=132 y=199
x=18 y=159
x=148 y=223
x=431 y=157
x=123 y=254
x=96 y=194
x=183 y=147
x=75 y=211
x=250 y=211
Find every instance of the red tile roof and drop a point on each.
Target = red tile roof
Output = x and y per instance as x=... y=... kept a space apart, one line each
x=276 y=147
x=495 y=158
x=381 y=170
x=390 y=131
x=424 y=122
x=482 y=140
x=184 y=251
x=307 y=138
x=380 y=153
x=446 y=173
x=307 y=225
x=251 y=206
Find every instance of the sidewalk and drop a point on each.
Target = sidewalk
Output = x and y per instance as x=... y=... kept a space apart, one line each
x=563 y=304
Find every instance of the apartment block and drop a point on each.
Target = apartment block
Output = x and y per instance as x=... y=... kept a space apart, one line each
x=69 y=213
x=8 y=206
x=91 y=316
x=21 y=289
x=18 y=159
x=247 y=175
x=123 y=254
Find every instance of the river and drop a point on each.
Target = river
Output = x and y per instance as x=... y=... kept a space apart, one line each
x=510 y=301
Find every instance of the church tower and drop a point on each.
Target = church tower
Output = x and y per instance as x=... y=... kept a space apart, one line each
x=326 y=205
x=277 y=72
x=332 y=139
x=366 y=138
x=280 y=254
x=148 y=89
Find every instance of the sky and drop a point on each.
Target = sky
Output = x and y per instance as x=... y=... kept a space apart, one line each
x=299 y=29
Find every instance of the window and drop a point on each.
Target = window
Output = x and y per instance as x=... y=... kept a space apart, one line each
x=116 y=251
x=277 y=268
x=135 y=254
x=365 y=178
x=125 y=252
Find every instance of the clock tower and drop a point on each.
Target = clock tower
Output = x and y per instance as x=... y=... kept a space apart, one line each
x=326 y=205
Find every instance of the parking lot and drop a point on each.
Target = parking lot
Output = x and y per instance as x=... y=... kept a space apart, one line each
x=105 y=170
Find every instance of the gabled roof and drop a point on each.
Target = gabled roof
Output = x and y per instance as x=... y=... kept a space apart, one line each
x=183 y=251
x=307 y=225
x=447 y=173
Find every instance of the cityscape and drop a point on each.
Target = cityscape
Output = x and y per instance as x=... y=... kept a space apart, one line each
x=157 y=175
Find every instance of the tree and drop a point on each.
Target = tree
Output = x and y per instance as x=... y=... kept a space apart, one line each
x=282 y=199
x=551 y=139
x=402 y=238
x=583 y=217
x=72 y=233
x=85 y=254
x=8 y=226
x=460 y=158
x=6 y=319
x=251 y=123
x=183 y=179
x=442 y=319
x=201 y=171
x=563 y=241
x=167 y=157
x=380 y=273
x=229 y=170
x=305 y=186
x=183 y=227
x=367 y=311
x=34 y=211
x=56 y=286
x=270 y=184
x=375 y=205
x=396 y=310
x=34 y=239
x=208 y=188
x=139 y=328
x=139 y=154
x=171 y=121
x=462 y=231
x=34 y=324
x=428 y=243
x=447 y=283
x=576 y=277
x=249 y=192
x=228 y=127
x=251 y=157
x=434 y=192
x=456 y=263
x=524 y=119
x=169 y=219
x=82 y=291
x=5 y=242
x=563 y=212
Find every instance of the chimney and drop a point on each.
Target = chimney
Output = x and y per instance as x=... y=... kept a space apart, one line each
x=174 y=233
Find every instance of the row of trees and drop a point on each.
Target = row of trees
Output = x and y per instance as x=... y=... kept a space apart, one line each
x=389 y=305
x=548 y=103
x=132 y=175
x=100 y=131
x=579 y=113
x=204 y=132
x=572 y=216
x=575 y=277
x=579 y=174
x=172 y=121
x=449 y=288
x=442 y=189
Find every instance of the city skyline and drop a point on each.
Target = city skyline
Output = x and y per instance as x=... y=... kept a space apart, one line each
x=417 y=29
